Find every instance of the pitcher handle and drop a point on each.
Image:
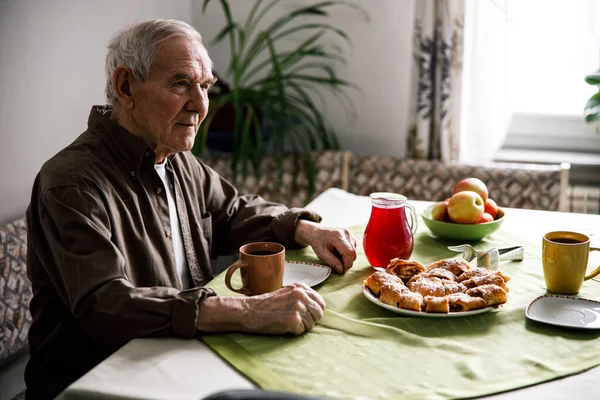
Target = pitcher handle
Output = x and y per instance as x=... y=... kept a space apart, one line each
x=413 y=224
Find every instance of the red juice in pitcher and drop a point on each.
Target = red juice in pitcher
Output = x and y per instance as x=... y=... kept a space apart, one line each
x=388 y=234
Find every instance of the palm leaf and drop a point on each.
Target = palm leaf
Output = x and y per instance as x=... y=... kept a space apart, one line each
x=593 y=78
x=592 y=108
x=260 y=44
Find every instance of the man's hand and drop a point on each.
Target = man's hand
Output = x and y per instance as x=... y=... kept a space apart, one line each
x=295 y=309
x=336 y=247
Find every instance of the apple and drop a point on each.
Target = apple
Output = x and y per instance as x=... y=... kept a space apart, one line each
x=439 y=211
x=465 y=207
x=485 y=217
x=490 y=207
x=473 y=185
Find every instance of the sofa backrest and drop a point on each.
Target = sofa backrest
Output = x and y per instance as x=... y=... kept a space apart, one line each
x=294 y=192
x=532 y=186
x=15 y=291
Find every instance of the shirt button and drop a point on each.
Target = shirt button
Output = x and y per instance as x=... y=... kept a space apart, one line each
x=132 y=174
x=158 y=190
x=167 y=233
x=147 y=154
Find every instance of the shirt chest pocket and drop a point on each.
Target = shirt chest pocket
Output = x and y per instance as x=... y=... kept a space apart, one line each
x=204 y=227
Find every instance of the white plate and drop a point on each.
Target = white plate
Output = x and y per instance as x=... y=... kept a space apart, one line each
x=309 y=273
x=570 y=312
x=369 y=295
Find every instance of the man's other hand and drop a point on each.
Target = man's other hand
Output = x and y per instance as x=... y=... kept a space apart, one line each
x=336 y=247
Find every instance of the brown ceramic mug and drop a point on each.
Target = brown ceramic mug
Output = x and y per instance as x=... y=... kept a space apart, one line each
x=261 y=266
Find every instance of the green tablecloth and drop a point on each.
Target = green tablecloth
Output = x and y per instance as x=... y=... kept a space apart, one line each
x=362 y=351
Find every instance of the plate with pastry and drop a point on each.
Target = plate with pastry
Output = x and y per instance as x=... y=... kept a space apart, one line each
x=445 y=288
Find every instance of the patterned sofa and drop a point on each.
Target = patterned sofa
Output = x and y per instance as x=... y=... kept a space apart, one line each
x=330 y=169
x=15 y=293
x=533 y=186
x=511 y=185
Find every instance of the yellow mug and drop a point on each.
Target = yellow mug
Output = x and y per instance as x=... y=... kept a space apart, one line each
x=565 y=260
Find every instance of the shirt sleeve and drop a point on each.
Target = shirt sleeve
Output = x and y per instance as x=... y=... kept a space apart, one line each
x=240 y=219
x=88 y=272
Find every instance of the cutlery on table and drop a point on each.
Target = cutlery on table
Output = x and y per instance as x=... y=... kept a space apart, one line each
x=489 y=258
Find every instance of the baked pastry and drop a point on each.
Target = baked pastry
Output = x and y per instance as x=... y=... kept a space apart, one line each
x=453 y=287
x=390 y=293
x=404 y=269
x=464 y=302
x=489 y=279
x=481 y=272
x=428 y=287
x=411 y=301
x=439 y=273
x=380 y=278
x=492 y=294
x=437 y=304
x=457 y=265
x=401 y=297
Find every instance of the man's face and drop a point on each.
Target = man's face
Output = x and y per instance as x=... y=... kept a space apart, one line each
x=172 y=102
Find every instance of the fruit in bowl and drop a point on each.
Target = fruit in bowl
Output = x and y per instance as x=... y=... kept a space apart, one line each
x=465 y=207
x=462 y=232
x=468 y=215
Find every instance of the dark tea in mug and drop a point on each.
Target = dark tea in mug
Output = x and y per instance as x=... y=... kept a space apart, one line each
x=565 y=241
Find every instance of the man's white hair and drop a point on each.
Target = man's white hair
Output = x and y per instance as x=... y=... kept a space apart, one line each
x=134 y=47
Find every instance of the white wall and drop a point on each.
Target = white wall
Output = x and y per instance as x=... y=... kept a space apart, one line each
x=51 y=73
x=380 y=63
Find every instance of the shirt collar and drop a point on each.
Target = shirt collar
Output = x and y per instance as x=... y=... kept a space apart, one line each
x=131 y=151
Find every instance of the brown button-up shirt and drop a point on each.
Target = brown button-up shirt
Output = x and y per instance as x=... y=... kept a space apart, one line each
x=100 y=255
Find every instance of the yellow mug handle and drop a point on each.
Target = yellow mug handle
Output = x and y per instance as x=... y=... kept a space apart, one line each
x=240 y=264
x=597 y=270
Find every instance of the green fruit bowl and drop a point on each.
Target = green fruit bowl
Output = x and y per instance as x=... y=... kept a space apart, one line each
x=463 y=232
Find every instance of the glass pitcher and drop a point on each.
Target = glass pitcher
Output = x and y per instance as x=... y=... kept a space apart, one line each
x=389 y=234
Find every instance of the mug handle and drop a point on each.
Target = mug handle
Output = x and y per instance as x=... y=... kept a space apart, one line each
x=597 y=270
x=232 y=268
x=413 y=224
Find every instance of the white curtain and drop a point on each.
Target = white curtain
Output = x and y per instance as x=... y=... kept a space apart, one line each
x=485 y=114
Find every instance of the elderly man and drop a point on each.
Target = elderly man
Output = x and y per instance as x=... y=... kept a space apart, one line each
x=123 y=222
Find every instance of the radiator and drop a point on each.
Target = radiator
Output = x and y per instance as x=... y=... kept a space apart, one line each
x=584 y=199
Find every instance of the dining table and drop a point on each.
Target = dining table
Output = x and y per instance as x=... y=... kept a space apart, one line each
x=360 y=350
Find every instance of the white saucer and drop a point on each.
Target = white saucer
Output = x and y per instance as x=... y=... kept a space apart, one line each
x=410 y=313
x=309 y=273
x=566 y=311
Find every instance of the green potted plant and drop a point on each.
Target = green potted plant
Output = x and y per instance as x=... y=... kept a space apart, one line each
x=592 y=107
x=277 y=90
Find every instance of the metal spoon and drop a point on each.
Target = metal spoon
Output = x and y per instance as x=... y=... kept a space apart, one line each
x=508 y=253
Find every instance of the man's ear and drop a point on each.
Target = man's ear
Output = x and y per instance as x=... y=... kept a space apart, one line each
x=123 y=86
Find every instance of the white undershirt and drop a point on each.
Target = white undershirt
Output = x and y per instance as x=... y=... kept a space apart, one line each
x=176 y=237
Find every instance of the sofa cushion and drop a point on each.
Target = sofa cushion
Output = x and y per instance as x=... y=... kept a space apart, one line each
x=15 y=291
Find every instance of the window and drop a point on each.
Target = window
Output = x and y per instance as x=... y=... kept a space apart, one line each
x=551 y=46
